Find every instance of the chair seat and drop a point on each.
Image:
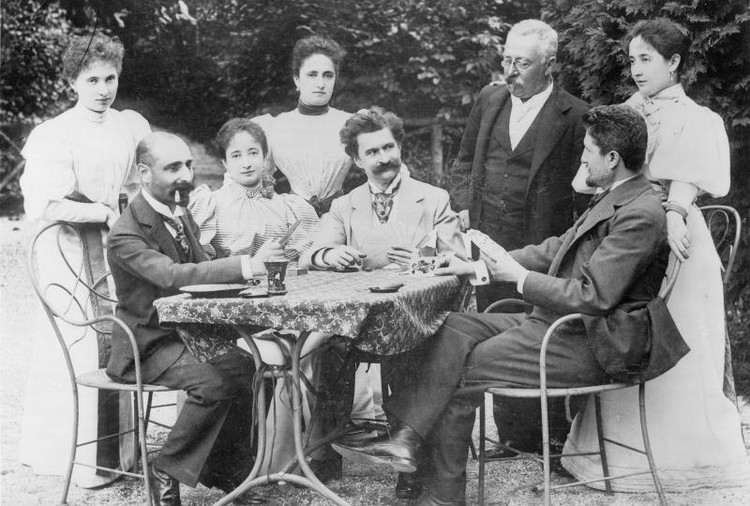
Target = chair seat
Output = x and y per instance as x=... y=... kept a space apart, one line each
x=527 y=393
x=99 y=379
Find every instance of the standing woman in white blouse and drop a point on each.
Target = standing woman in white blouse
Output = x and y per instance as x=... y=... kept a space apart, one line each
x=304 y=143
x=77 y=166
x=693 y=426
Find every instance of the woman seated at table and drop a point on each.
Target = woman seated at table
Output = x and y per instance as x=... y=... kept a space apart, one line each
x=245 y=216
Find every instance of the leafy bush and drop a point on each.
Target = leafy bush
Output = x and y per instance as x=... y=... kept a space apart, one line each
x=33 y=38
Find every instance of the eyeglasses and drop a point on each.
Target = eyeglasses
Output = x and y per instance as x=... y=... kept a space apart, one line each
x=520 y=65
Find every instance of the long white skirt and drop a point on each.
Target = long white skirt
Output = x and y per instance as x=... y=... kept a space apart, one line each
x=694 y=428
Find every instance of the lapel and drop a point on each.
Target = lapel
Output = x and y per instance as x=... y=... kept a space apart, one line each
x=552 y=123
x=197 y=254
x=361 y=215
x=150 y=219
x=605 y=209
x=411 y=209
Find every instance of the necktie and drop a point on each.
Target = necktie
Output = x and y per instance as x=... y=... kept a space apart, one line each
x=181 y=239
x=382 y=203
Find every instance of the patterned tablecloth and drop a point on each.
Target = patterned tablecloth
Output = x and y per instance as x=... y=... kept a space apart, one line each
x=334 y=303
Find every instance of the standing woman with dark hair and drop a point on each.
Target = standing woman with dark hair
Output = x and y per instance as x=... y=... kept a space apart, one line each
x=694 y=427
x=77 y=166
x=304 y=143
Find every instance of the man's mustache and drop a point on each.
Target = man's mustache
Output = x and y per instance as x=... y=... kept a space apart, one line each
x=182 y=191
x=391 y=165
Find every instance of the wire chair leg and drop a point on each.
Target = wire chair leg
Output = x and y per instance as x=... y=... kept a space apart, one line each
x=141 y=431
x=600 y=438
x=136 y=434
x=480 y=491
x=73 y=447
x=647 y=444
x=545 y=446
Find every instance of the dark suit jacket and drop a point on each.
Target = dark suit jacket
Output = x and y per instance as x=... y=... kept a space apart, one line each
x=609 y=266
x=549 y=199
x=145 y=266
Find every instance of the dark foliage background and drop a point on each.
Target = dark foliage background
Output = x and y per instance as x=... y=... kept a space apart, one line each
x=192 y=64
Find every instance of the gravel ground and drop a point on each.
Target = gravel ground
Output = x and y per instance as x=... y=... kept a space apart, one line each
x=510 y=484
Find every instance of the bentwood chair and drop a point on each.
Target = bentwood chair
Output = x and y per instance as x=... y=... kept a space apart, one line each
x=543 y=393
x=725 y=226
x=76 y=298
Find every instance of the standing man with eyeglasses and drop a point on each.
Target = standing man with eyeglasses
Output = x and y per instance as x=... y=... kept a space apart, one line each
x=519 y=153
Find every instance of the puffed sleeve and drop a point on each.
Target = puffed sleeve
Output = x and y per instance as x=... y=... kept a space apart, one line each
x=139 y=128
x=693 y=148
x=202 y=207
x=48 y=178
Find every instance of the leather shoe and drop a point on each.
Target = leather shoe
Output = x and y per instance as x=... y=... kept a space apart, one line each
x=409 y=485
x=430 y=500
x=398 y=450
x=165 y=490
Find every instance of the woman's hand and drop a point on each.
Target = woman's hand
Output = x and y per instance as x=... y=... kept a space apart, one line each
x=270 y=249
x=678 y=235
x=111 y=217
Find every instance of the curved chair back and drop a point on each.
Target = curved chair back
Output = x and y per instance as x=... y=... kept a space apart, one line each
x=725 y=226
x=69 y=275
x=73 y=292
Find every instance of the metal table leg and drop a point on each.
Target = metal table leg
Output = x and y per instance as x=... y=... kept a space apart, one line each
x=308 y=479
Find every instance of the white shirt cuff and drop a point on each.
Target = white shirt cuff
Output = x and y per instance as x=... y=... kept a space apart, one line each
x=247 y=269
x=521 y=279
x=481 y=275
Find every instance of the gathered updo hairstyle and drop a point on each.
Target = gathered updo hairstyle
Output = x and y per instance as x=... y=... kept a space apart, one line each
x=664 y=35
x=316 y=44
x=234 y=126
x=83 y=50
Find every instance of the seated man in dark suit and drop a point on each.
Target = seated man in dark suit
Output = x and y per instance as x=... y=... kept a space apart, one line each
x=610 y=264
x=153 y=249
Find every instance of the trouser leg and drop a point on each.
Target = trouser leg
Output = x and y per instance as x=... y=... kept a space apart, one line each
x=438 y=365
x=508 y=359
x=211 y=439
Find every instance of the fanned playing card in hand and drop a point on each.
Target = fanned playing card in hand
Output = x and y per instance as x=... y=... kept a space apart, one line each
x=486 y=244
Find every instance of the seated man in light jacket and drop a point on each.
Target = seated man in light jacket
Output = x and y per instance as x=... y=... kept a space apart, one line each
x=389 y=217
x=387 y=220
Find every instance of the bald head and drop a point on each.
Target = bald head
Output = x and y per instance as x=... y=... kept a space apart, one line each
x=165 y=165
x=151 y=144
